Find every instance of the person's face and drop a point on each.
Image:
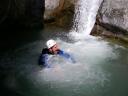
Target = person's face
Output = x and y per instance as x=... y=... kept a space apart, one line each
x=54 y=49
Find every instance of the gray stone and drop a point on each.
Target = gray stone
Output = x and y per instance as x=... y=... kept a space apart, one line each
x=115 y=12
x=60 y=12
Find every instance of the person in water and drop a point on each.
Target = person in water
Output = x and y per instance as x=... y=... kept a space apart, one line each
x=53 y=49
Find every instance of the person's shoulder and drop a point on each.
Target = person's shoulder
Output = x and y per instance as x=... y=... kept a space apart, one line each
x=45 y=51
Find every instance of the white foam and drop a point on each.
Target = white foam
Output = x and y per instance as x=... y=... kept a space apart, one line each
x=89 y=56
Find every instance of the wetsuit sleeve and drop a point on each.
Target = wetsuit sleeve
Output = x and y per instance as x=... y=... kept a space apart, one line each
x=67 y=56
x=44 y=60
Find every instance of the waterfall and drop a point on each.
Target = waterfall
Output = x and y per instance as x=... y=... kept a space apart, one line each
x=85 y=16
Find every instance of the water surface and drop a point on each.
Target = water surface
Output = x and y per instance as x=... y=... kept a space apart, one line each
x=101 y=68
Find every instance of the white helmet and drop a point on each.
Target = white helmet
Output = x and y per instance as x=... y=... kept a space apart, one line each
x=50 y=43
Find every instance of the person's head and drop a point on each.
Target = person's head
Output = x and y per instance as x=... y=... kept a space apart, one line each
x=52 y=46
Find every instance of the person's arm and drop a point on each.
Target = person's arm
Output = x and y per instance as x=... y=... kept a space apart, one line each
x=44 y=60
x=67 y=56
x=46 y=64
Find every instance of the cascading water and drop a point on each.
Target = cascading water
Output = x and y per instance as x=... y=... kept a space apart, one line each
x=85 y=16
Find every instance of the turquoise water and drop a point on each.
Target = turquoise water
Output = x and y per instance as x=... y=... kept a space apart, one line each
x=101 y=69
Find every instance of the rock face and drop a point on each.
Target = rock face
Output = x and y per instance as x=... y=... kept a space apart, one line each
x=22 y=12
x=112 y=20
x=59 y=11
x=54 y=7
x=115 y=13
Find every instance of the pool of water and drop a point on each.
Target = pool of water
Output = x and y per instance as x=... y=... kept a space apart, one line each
x=100 y=70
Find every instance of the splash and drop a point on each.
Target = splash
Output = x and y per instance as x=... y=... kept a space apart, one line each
x=89 y=59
